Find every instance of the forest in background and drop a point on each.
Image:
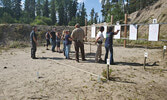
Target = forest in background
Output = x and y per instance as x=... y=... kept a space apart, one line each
x=65 y=12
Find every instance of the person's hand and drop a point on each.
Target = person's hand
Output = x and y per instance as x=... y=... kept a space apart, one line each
x=118 y=30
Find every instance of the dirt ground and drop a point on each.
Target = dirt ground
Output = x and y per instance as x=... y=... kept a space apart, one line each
x=51 y=77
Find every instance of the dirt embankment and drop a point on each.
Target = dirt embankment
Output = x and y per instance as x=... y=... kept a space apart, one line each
x=21 y=32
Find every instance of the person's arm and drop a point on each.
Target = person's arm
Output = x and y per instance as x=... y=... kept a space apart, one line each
x=70 y=38
x=72 y=35
x=35 y=40
x=50 y=35
x=46 y=36
x=97 y=40
x=57 y=34
x=115 y=33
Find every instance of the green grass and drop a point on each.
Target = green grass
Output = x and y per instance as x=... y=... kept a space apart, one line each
x=17 y=44
x=104 y=73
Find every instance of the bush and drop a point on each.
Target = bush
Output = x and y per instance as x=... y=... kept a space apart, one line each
x=6 y=18
x=104 y=73
x=17 y=44
x=42 y=21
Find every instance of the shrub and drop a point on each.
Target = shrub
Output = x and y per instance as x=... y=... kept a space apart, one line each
x=6 y=18
x=17 y=44
x=104 y=73
x=42 y=21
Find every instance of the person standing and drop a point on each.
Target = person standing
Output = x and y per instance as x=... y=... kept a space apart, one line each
x=99 y=41
x=33 y=40
x=58 y=38
x=68 y=42
x=109 y=44
x=78 y=38
x=52 y=39
x=47 y=36
x=63 y=38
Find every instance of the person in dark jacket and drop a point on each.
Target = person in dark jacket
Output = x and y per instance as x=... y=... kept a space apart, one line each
x=33 y=40
x=109 y=44
x=68 y=42
x=53 y=39
x=47 y=36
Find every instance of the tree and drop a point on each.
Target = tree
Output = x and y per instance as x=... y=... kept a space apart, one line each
x=61 y=13
x=53 y=12
x=96 y=18
x=83 y=15
x=46 y=9
x=92 y=14
x=38 y=8
x=17 y=9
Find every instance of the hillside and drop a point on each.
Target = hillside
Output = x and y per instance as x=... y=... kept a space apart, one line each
x=157 y=11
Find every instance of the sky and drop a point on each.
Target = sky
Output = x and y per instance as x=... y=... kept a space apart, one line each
x=89 y=4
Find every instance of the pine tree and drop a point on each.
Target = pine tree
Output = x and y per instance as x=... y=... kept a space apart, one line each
x=46 y=9
x=61 y=13
x=92 y=14
x=17 y=9
x=96 y=18
x=38 y=8
x=83 y=15
x=53 y=12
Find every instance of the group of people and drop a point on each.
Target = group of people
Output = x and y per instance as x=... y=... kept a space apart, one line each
x=77 y=36
x=54 y=38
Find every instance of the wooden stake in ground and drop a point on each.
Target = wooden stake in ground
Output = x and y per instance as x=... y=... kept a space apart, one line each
x=86 y=30
x=164 y=50
x=145 y=57
x=108 y=63
x=125 y=29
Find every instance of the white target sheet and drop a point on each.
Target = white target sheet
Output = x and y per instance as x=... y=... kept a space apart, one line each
x=93 y=31
x=117 y=27
x=133 y=32
x=105 y=31
x=153 y=32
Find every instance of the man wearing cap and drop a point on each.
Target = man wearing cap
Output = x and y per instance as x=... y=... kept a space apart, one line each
x=78 y=38
x=33 y=40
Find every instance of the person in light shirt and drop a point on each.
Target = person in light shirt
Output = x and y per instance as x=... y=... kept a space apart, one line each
x=99 y=41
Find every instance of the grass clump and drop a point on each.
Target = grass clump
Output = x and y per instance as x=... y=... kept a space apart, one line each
x=104 y=73
x=17 y=44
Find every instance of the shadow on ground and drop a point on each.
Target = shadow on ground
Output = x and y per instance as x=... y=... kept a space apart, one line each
x=136 y=64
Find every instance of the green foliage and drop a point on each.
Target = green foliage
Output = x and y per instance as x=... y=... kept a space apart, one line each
x=17 y=44
x=6 y=18
x=42 y=21
x=104 y=73
x=72 y=22
x=46 y=9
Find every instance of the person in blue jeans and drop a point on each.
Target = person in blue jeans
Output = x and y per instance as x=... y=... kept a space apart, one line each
x=63 y=38
x=109 y=44
x=58 y=39
x=53 y=38
x=68 y=42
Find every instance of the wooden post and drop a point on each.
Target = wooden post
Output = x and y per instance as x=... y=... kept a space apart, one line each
x=164 y=50
x=86 y=30
x=144 y=65
x=112 y=19
x=90 y=48
x=145 y=58
x=108 y=76
x=108 y=63
x=125 y=30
